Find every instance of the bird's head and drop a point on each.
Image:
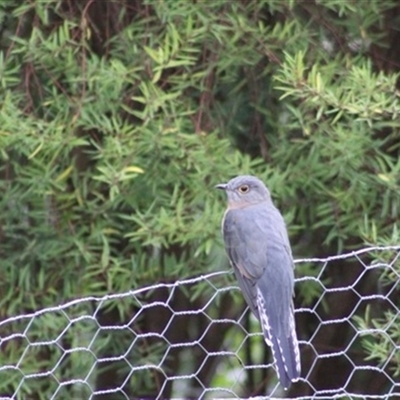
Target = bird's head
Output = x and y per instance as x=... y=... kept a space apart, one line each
x=245 y=190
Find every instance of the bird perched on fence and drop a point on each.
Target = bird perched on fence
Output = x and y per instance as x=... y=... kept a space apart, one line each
x=258 y=247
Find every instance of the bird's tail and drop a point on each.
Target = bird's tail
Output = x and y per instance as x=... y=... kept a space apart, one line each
x=285 y=348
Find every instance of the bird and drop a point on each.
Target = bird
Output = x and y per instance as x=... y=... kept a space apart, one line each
x=258 y=247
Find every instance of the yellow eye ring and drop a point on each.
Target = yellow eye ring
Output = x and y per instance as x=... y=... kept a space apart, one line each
x=244 y=189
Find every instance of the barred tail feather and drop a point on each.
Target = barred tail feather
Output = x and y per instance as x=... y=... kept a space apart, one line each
x=294 y=349
x=285 y=350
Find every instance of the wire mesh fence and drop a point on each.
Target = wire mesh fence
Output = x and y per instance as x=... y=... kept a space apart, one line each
x=193 y=338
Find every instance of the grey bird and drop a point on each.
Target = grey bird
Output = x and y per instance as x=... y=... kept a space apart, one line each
x=258 y=248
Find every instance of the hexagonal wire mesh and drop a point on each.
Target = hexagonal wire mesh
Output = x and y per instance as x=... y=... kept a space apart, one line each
x=190 y=338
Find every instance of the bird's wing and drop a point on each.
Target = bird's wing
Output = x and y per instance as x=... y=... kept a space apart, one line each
x=238 y=253
x=258 y=247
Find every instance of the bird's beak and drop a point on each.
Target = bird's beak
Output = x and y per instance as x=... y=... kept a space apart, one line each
x=221 y=186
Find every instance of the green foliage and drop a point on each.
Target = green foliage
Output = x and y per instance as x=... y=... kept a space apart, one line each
x=381 y=344
x=117 y=120
x=380 y=322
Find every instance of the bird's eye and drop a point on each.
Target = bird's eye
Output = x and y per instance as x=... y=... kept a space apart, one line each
x=244 y=189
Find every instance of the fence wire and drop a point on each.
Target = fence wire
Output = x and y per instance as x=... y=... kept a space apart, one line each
x=191 y=338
